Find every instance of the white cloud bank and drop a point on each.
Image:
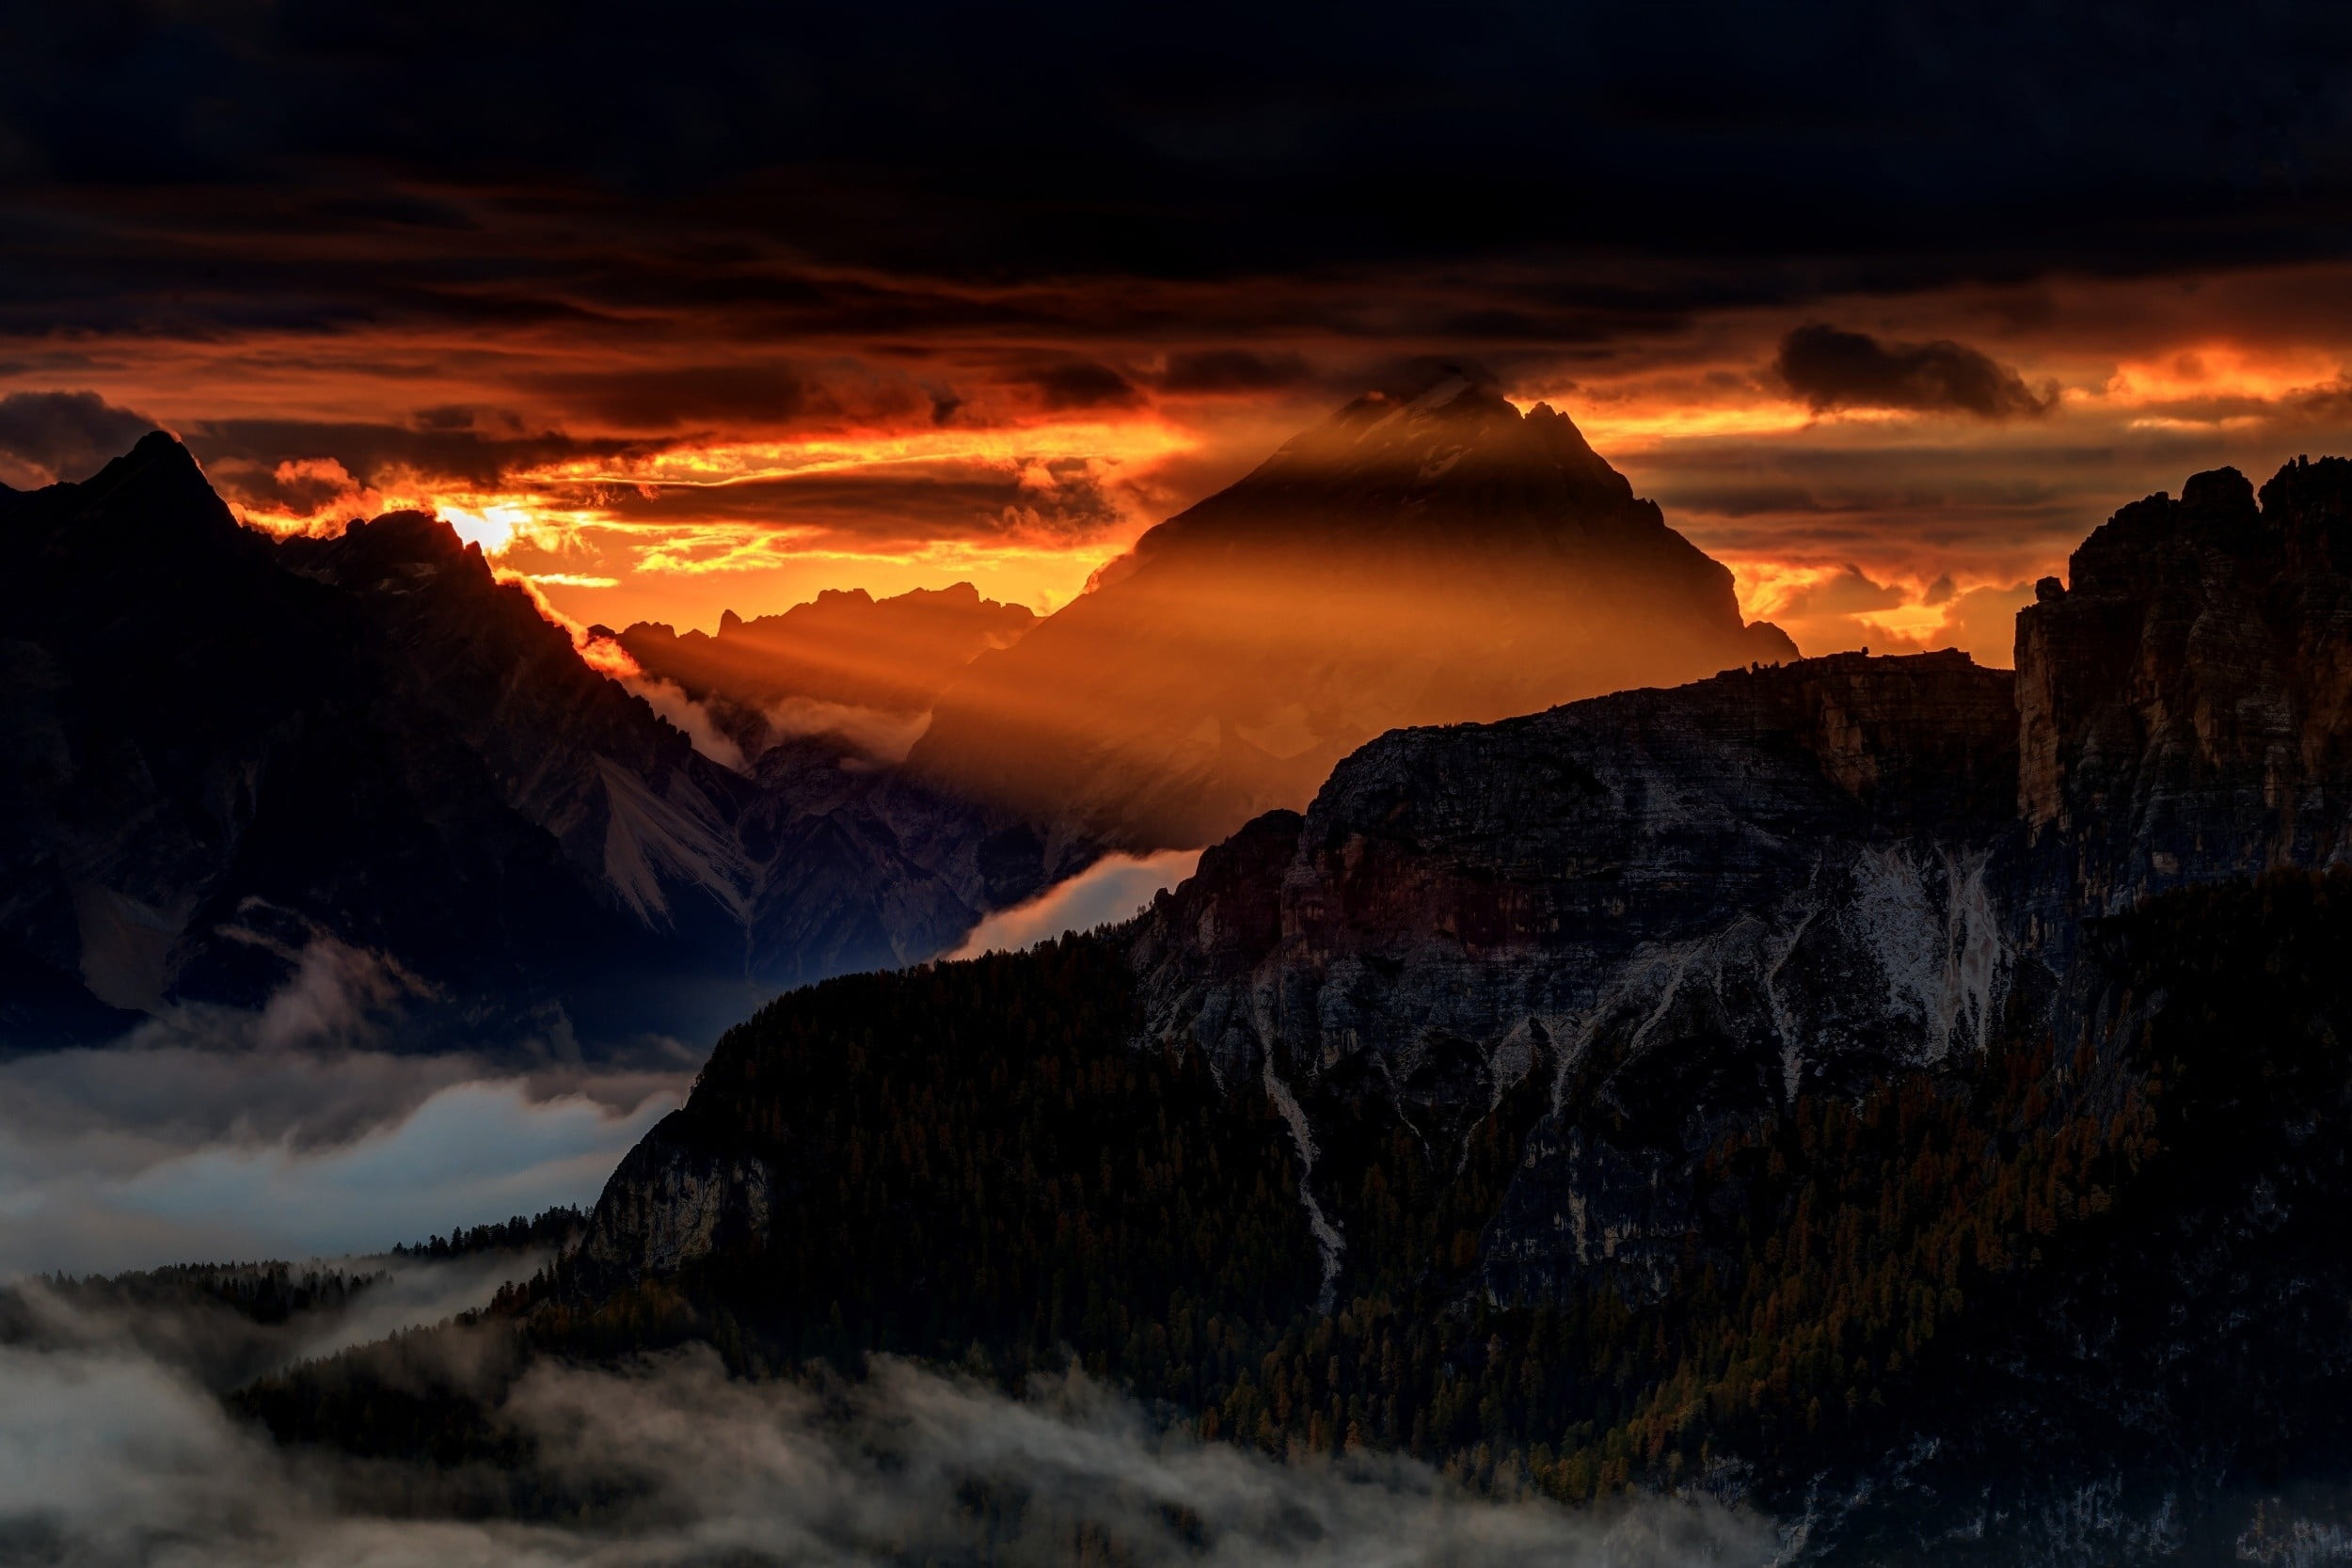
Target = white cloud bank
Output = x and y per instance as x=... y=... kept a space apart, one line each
x=211 y=1134
x=124 y=1159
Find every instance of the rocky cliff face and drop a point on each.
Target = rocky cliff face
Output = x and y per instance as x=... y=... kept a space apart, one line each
x=2187 y=701
x=1673 y=906
x=671 y=1202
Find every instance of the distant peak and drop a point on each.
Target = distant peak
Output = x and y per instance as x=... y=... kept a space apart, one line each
x=157 y=457
x=397 y=538
x=159 y=479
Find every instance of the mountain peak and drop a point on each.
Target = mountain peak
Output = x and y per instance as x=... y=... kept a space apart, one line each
x=1421 y=559
x=157 y=492
x=1454 y=461
x=156 y=460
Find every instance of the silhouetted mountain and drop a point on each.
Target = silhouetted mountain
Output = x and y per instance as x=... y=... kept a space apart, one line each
x=366 y=761
x=1912 y=1098
x=843 y=663
x=1413 y=560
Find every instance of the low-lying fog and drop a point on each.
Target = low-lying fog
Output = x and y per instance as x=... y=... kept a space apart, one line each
x=214 y=1135
x=112 y=1453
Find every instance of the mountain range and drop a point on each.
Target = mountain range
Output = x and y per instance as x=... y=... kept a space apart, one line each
x=1906 y=1096
x=364 y=764
x=1900 y=1096
x=866 y=670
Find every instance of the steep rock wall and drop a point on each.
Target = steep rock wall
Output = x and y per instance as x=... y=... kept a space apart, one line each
x=1675 y=904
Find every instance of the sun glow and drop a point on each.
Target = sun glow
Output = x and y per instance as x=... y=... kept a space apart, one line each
x=628 y=538
x=1909 y=623
x=1637 y=427
x=1768 y=588
x=2205 y=371
x=494 y=527
x=1124 y=444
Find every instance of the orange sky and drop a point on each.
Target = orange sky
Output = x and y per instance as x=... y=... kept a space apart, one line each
x=667 y=468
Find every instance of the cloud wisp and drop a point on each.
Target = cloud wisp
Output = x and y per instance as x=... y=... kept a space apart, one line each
x=1110 y=889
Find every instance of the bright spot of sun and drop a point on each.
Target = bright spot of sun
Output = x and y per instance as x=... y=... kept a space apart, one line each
x=493 y=527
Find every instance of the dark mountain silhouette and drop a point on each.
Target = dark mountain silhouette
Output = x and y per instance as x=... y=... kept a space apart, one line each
x=229 y=757
x=1424 y=557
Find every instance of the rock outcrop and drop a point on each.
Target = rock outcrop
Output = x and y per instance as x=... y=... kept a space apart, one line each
x=670 y=1202
x=1676 y=905
x=2186 y=698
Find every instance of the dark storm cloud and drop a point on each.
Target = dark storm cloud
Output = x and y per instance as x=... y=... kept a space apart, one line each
x=2009 y=511
x=1831 y=369
x=66 y=436
x=243 y=452
x=1078 y=143
x=1231 y=370
x=1081 y=384
x=768 y=396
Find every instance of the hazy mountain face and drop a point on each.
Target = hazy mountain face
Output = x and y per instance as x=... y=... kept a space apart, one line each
x=846 y=664
x=1412 y=561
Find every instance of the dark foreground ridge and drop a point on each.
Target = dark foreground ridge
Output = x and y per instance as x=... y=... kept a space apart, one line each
x=1914 y=1103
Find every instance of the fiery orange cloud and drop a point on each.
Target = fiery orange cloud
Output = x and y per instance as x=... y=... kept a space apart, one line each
x=568 y=527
